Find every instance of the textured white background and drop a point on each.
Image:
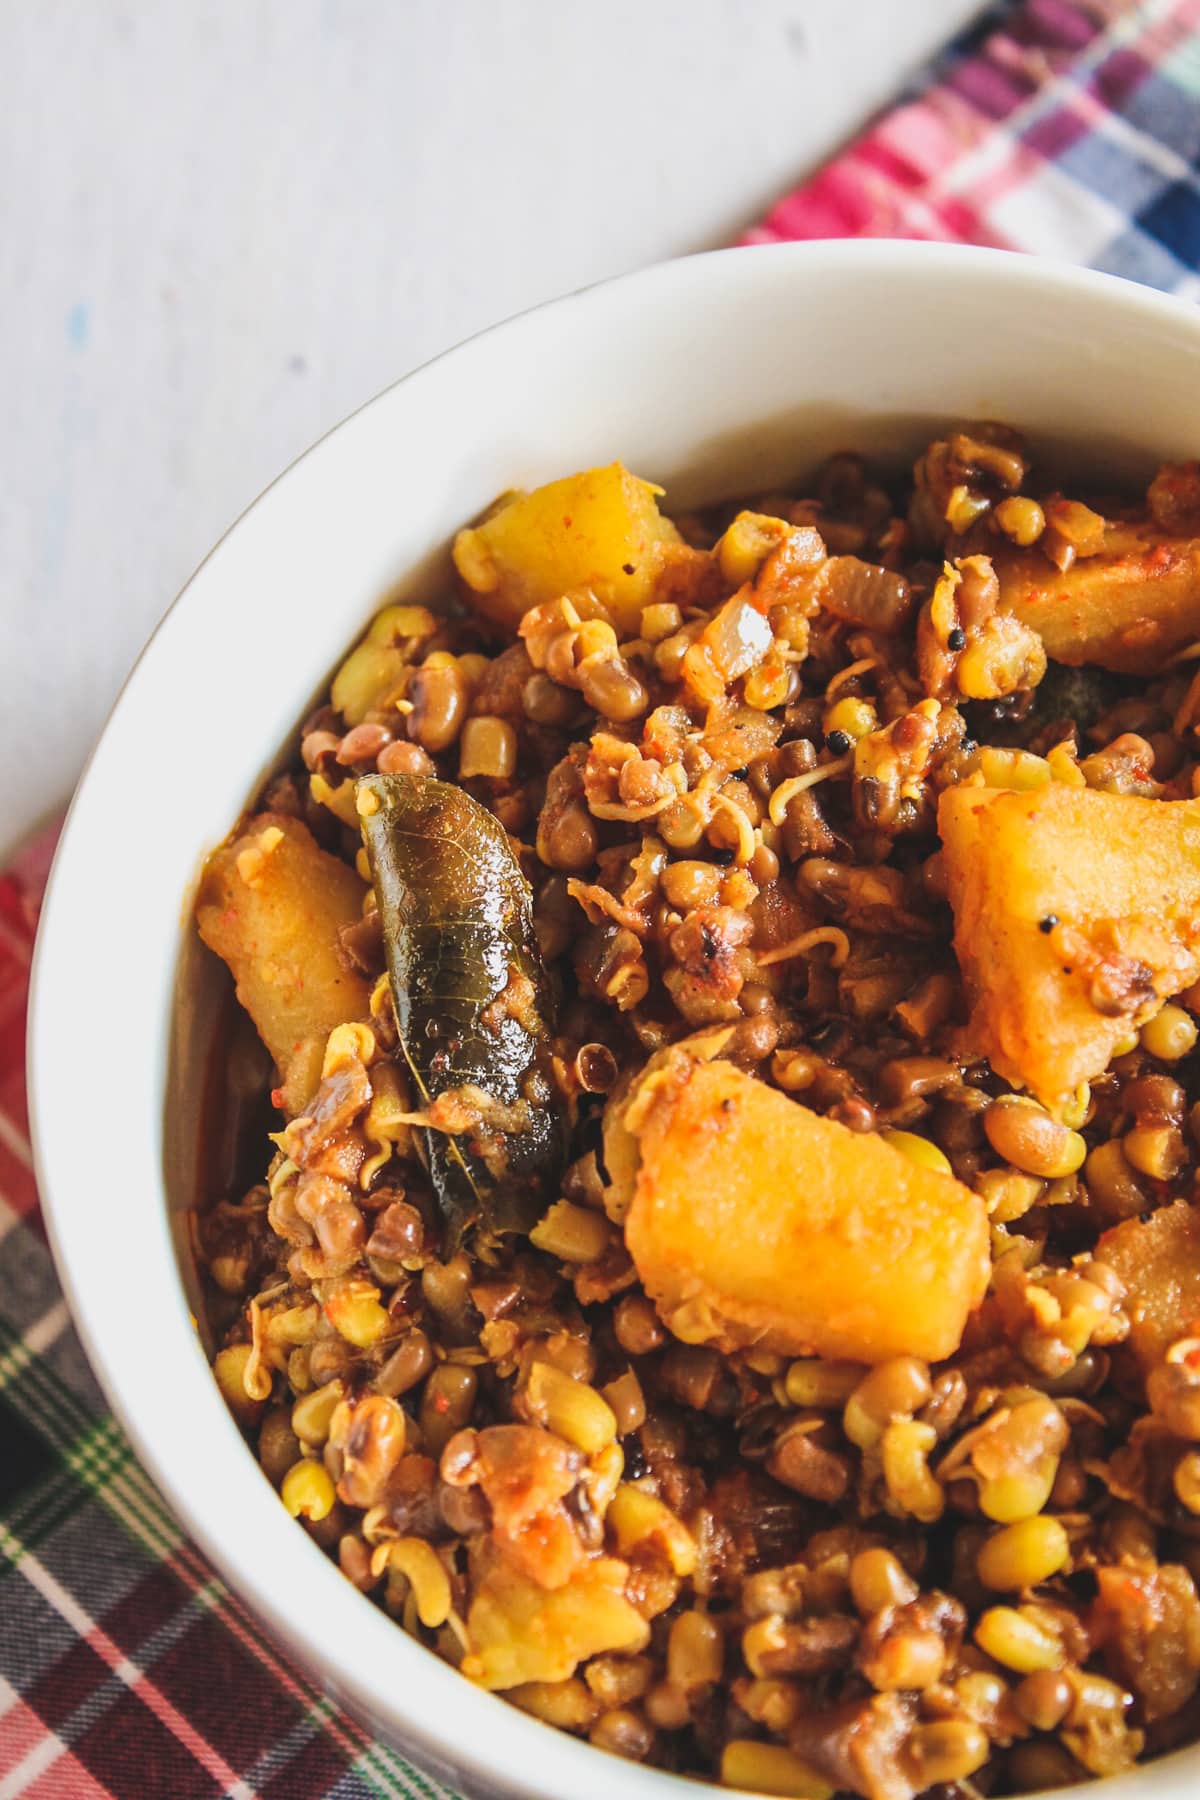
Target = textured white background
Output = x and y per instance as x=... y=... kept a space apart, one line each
x=223 y=226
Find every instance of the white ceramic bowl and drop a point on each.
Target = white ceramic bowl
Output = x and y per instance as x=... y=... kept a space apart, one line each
x=712 y=375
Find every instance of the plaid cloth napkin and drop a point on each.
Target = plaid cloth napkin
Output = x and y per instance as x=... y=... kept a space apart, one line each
x=127 y=1670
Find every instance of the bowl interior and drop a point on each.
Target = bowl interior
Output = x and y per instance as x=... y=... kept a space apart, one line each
x=714 y=376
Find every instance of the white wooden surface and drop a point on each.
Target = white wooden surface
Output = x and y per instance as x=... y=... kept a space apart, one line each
x=223 y=226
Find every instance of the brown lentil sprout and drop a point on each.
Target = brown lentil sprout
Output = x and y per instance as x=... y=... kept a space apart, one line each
x=1037 y=1766
x=404 y=758
x=278 y=1445
x=623 y=1733
x=319 y=748
x=619 y=1680
x=667 y=1707
x=1044 y=1699
x=447 y=1401
x=446 y=1289
x=568 y=839
x=614 y=692
x=808 y=1467
x=637 y=1326
x=1112 y=1182
x=546 y=703
x=439 y=704
x=408 y=1364
x=354 y=1560
x=362 y=745
x=946 y=1750
x=464 y=1511
x=1031 y=1140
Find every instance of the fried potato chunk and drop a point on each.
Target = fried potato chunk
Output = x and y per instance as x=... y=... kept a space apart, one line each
x=518 y=1631
x=1127 y=609
x=271 y=905
x=756 y=1221
x=1076 y=914
x=599 y=530
x=1158 y=1259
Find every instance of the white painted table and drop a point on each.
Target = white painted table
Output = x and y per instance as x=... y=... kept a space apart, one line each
x=225 y=226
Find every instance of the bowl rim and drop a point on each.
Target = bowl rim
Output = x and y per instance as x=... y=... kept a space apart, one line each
x=363 y=1659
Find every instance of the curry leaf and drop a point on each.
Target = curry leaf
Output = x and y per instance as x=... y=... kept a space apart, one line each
x=457 y=918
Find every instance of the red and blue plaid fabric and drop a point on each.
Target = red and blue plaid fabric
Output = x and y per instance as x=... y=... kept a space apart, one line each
x=1067 y=128
x=127 y=1671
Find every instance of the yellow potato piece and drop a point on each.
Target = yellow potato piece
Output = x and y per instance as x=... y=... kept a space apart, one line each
x=518 y=1631
x=271 y=905
x=1158 y=1259
x=756 y=1221
x=1129 y=608
x=1076 y=914
x=599 y=530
